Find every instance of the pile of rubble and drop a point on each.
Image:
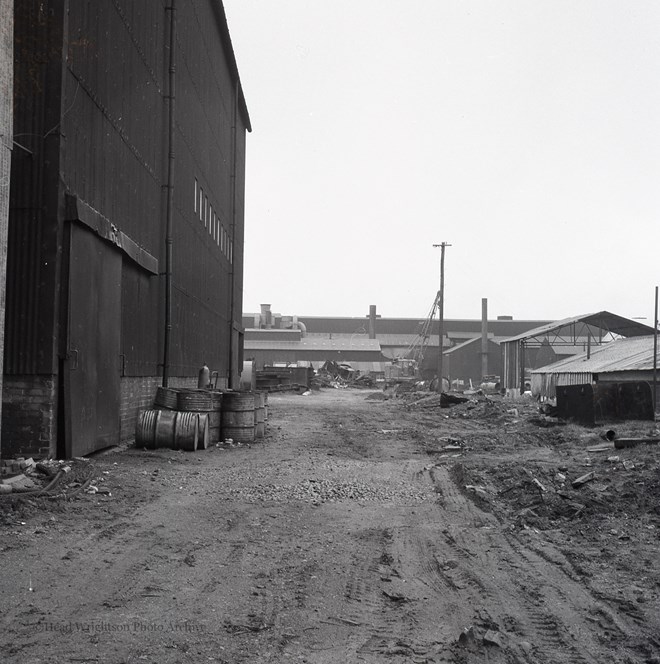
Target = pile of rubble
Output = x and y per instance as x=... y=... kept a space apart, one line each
x=327 y=380
x=601 y=486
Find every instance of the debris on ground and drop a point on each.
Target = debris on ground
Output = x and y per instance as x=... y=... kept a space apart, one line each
x=442 y=400
x=19 y=483
x=622 y=443
x=377 y=396
x=583 y=479
x=46 y=479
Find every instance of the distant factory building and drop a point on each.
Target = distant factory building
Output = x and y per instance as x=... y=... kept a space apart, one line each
x=399 y=337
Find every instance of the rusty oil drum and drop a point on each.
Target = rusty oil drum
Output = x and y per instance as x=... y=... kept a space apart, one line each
x=259 y=415
x=145 y=428
x=215 y=417
x=171 y=429
x=186 y=431
x=203 y=431
x=165 y=425
x=238 y=416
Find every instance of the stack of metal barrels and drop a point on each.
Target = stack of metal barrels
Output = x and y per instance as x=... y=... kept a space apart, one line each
x=194 y=419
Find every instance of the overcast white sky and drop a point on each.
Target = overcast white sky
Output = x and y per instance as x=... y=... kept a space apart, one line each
x=523 y=132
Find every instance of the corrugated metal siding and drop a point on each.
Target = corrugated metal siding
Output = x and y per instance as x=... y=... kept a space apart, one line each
x=115 y=96
x=510 y=365
x=621 y=360
x=113 y=158
x=32 y=268
x=114 y=120
x=140 y=331
x=546 y=384
x=202 y=273
x=239 y=230
x=114 y=148
x=581 y=378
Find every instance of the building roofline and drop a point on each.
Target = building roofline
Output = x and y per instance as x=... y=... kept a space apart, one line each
x=228 y=47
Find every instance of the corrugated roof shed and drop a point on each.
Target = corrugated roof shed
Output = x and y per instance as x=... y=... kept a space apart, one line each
x=603 y=319
x=632 y=354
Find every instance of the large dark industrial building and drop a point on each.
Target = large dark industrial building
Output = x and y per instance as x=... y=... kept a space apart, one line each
x=125 y=248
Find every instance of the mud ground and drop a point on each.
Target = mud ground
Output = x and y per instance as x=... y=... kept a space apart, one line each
x=360 y=530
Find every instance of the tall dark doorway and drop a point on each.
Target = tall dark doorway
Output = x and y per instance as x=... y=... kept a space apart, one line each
x=92 y=367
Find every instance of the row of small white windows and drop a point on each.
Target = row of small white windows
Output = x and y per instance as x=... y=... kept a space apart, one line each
x=212 y=223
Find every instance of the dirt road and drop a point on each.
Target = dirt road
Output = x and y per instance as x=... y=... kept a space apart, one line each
x=360 y=530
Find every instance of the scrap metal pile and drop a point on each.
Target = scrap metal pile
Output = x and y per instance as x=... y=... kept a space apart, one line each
x=340 y=375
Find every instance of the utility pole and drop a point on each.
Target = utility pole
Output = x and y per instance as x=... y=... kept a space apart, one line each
x=441 y=304
x=655 y=355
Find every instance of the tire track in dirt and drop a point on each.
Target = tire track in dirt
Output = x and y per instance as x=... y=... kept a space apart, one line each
x=383 y=606
x=472 y=571
x=546 y=596
x=621 y=621
x=553 y=598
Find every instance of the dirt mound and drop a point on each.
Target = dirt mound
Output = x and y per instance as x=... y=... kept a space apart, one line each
x=545 y=495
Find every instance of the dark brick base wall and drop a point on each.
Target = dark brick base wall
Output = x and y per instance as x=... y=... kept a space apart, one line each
x=29 y=408
x=138 y=394
x=29 y=411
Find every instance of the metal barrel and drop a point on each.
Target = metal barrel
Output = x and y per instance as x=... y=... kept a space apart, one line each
x=165 y=424
x=203 y=431
x=259 y=415
x=248 y=379
x=194 y=401
x=145 y=428
x=238 y=416
x=166 y=398
x=216 y=399
x=186 y=431
x=215 y=424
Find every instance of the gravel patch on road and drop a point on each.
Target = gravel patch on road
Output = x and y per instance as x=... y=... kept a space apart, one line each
x=321 y=491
